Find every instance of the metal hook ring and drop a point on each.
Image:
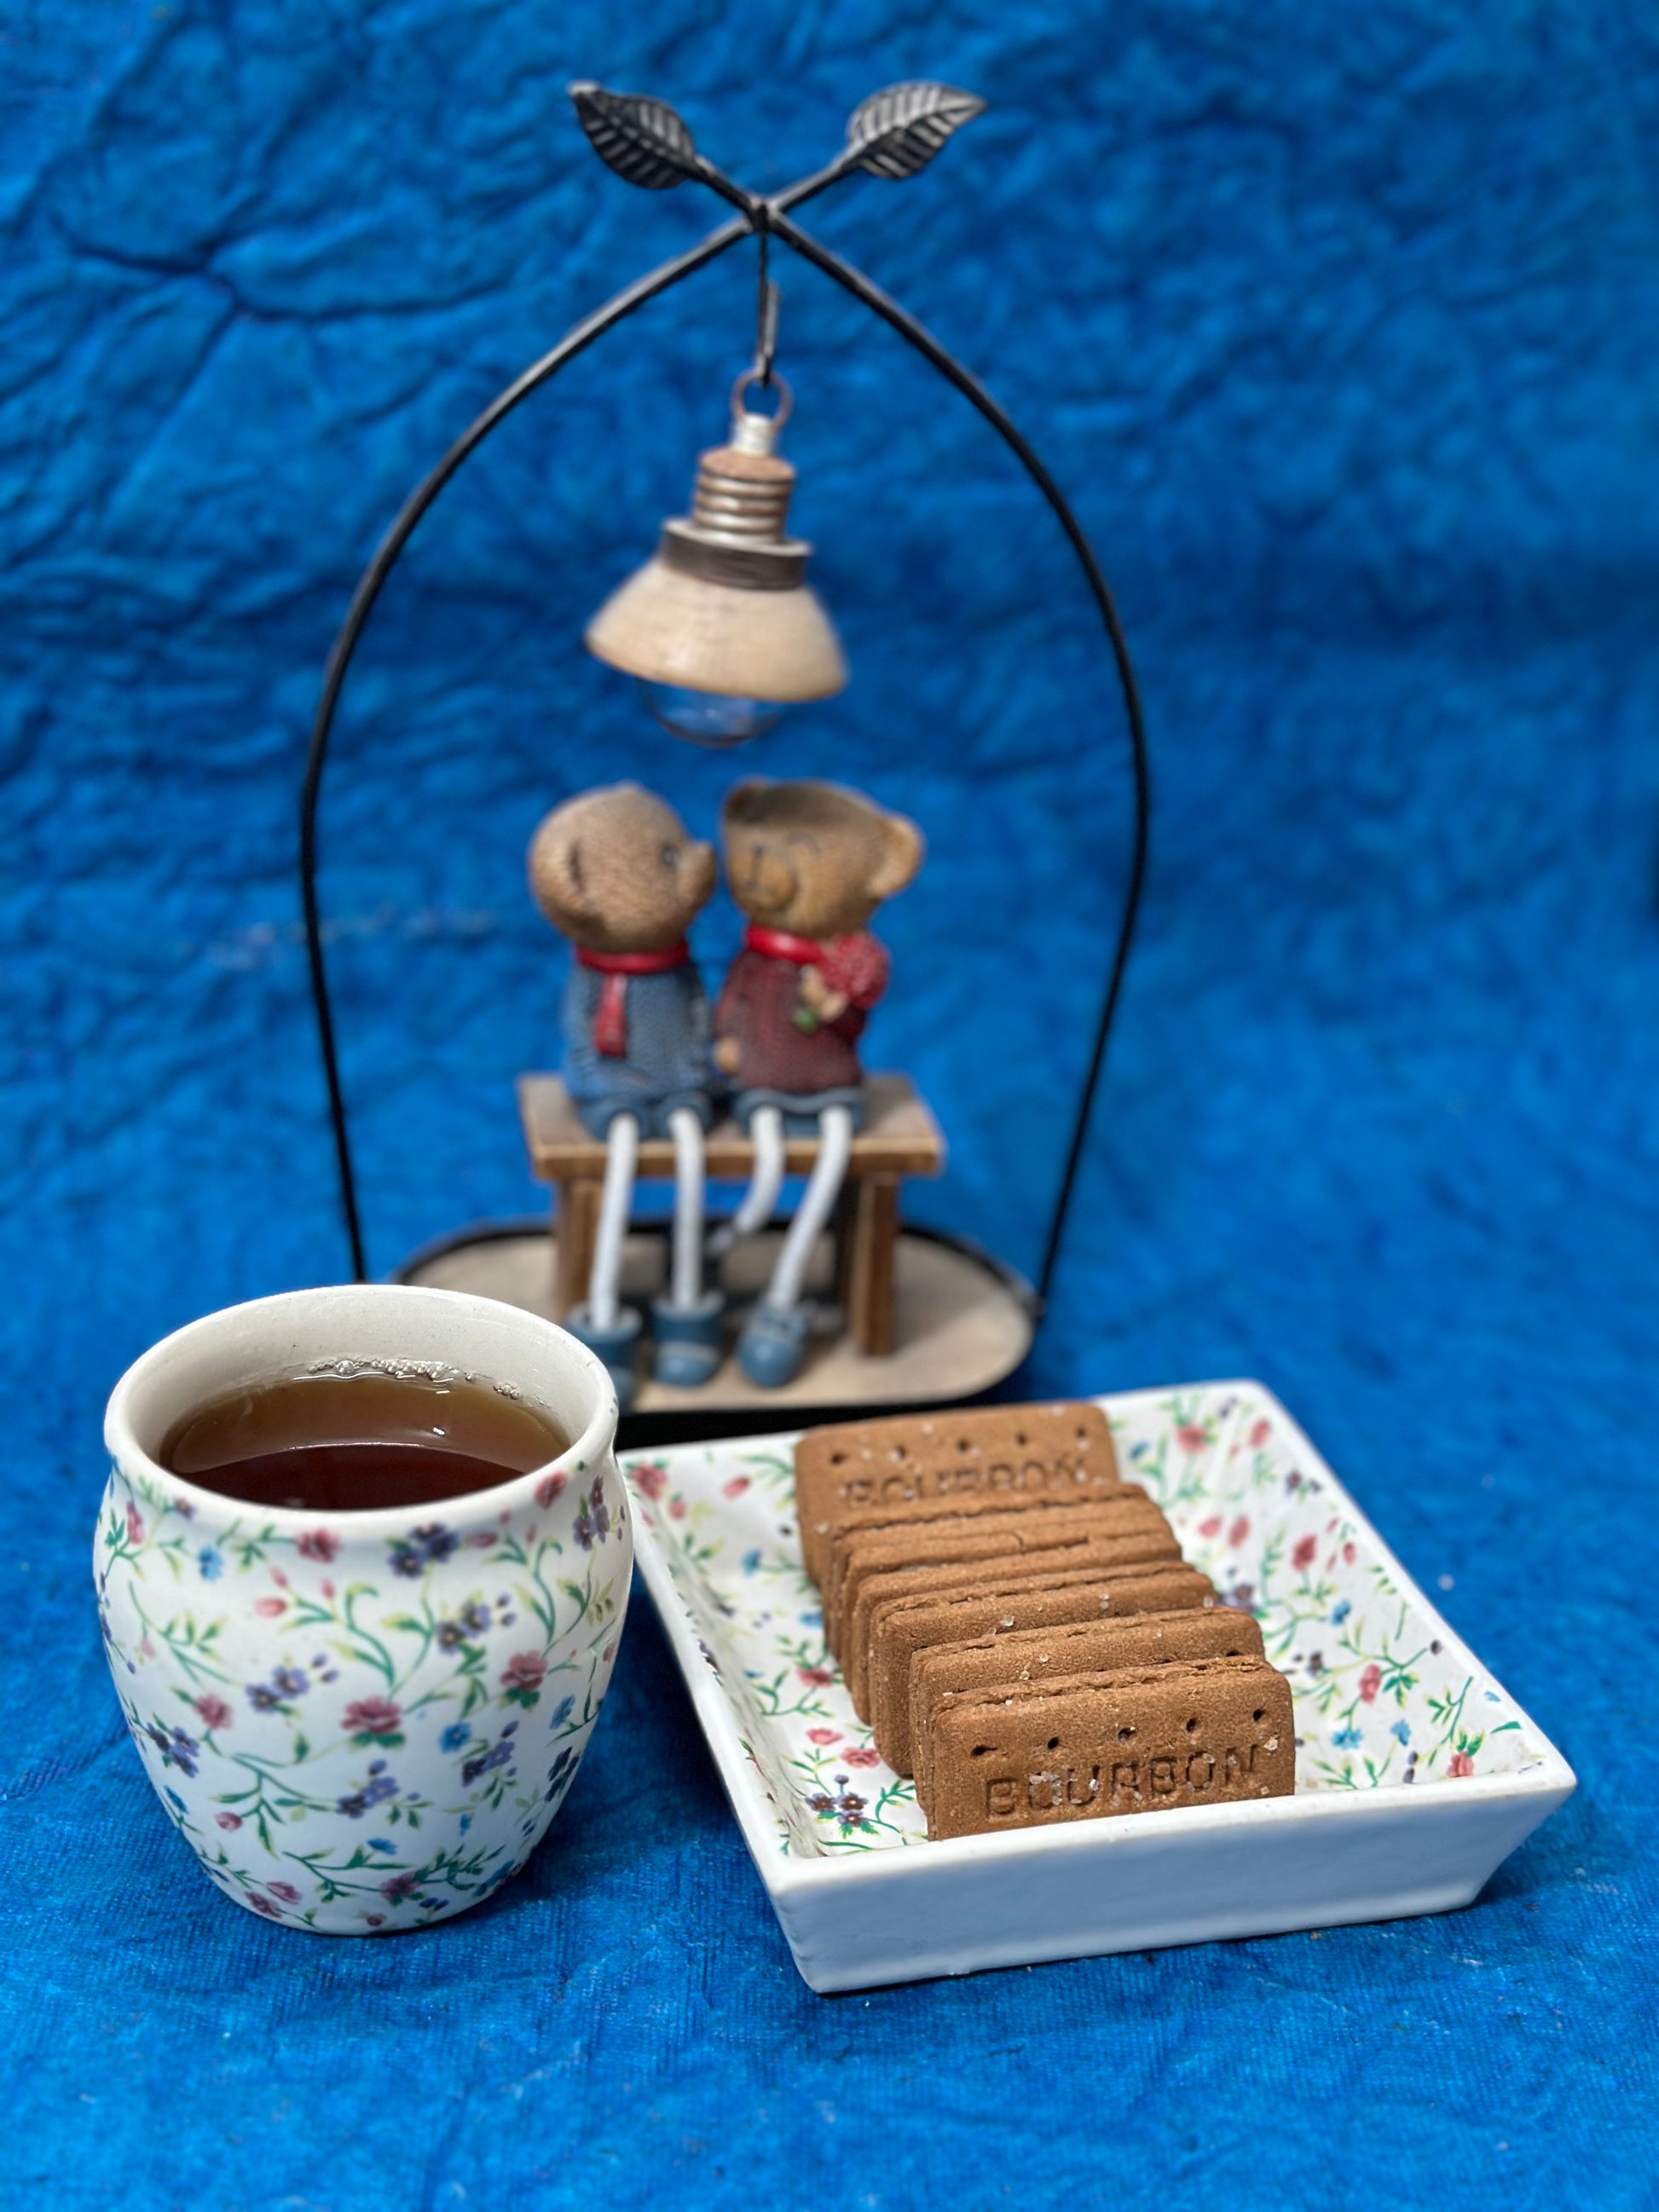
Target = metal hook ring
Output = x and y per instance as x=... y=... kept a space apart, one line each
x=778 y=384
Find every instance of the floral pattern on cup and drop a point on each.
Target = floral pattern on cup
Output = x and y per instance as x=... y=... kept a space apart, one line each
x=360 y=1733
x=1382 y=1695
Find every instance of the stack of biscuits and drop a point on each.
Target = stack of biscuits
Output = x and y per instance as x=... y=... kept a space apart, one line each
x=1016 y=1623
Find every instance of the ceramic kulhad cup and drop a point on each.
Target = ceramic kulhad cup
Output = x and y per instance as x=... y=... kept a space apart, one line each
x=363 y=1722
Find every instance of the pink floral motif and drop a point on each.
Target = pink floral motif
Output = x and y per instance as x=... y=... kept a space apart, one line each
x=865 y=1755
x=272 y=1608
x=375 y=1919
x=262 y=1905
x=736 y=1487
x=318 y=1543
x=523 y=1675
x=135 y=1524
x=1348 y=1555
x=677 y=1508
x=1212 y=1526
x=1191 y=1437
x=548 y=1489
x=279 y=1578
x=1260 y=1434
x=1305 y=1551
x=819 y=1677
x=1461 y=1763
x=1370 y=1682
x=375 y=1717
x=823 y=1735
x=285 y=1890
x=650 y=1481
x=230 y=1821
x=216 y=1713
x=1239 y=1531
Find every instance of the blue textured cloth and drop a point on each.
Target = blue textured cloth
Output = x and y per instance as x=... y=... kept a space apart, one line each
x=1341 y=325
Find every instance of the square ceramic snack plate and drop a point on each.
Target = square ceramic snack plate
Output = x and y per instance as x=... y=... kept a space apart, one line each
x=1416 y=1774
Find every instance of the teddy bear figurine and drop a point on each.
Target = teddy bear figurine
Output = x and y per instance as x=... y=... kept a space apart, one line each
x=807 y=864
x=615 y=871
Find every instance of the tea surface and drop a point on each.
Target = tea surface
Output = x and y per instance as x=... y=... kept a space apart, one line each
x=359 y=1444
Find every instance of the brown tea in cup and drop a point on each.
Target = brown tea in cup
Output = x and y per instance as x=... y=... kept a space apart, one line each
x=362 y=1442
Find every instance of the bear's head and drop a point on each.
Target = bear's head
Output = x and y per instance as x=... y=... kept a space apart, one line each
x=813 y=859
x=615 y=871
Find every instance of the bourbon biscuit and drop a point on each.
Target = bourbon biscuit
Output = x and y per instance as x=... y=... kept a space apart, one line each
x=855 y=1557
x=942 y=1673
x=1142 y=1739
x=1102 y=1553
x=903 y=1627
x=918 y=1462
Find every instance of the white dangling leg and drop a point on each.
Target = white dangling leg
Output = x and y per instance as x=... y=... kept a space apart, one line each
x=765 y=1181
x=816 y=1204
x=685 y=1271
x=622 y=1147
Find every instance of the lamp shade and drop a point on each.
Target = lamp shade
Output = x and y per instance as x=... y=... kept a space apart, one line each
x=723 y=605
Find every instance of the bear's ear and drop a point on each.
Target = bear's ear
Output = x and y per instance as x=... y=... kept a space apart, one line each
x=902 y=852
x=743 y=801
x=555 y=873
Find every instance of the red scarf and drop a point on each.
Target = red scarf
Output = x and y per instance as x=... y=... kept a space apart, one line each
x=779 y=944
x=610 y=1021
x=855 y=965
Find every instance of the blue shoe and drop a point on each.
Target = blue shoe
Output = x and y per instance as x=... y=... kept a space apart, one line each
x=687 y=1341
x=616 y=1345
x=773 y=1344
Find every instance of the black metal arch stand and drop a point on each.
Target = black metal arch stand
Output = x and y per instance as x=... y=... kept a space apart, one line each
x=759 y=217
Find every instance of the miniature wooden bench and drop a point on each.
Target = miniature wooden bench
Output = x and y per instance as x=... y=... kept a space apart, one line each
x=900 y=1137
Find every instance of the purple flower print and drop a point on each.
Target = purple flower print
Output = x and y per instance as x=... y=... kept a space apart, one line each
x=375 y=1791
x=422 y=1548
x=285 y=1891
x=846 y=1806
x=400 y=1886
x=469 y=1623
x=593 y=1520
x=484 y=1762
x=177 y=1749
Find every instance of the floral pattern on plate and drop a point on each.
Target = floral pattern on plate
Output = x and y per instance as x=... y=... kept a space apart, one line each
x=1382 y=1696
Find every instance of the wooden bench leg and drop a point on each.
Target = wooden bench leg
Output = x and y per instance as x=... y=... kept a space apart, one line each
x=869 y=1240
x=575 y=1229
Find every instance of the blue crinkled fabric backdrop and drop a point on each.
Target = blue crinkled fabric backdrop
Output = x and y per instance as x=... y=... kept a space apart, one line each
x=1340 y=325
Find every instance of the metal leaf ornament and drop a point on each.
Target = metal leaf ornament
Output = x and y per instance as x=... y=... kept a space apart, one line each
x=640 y=138
x=896 y=132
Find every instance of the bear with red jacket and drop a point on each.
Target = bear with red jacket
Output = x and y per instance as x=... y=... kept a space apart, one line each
x=807 y=864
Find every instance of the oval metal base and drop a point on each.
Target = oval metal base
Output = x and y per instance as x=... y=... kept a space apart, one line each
x=963 y=1324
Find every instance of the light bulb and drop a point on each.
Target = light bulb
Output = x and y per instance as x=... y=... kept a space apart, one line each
x=720 y=627
x=708 y=718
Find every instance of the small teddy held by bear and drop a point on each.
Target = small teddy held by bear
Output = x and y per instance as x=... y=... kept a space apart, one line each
x=615 y=872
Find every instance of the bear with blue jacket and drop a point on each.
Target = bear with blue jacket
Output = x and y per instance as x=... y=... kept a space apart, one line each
x=616 y=873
